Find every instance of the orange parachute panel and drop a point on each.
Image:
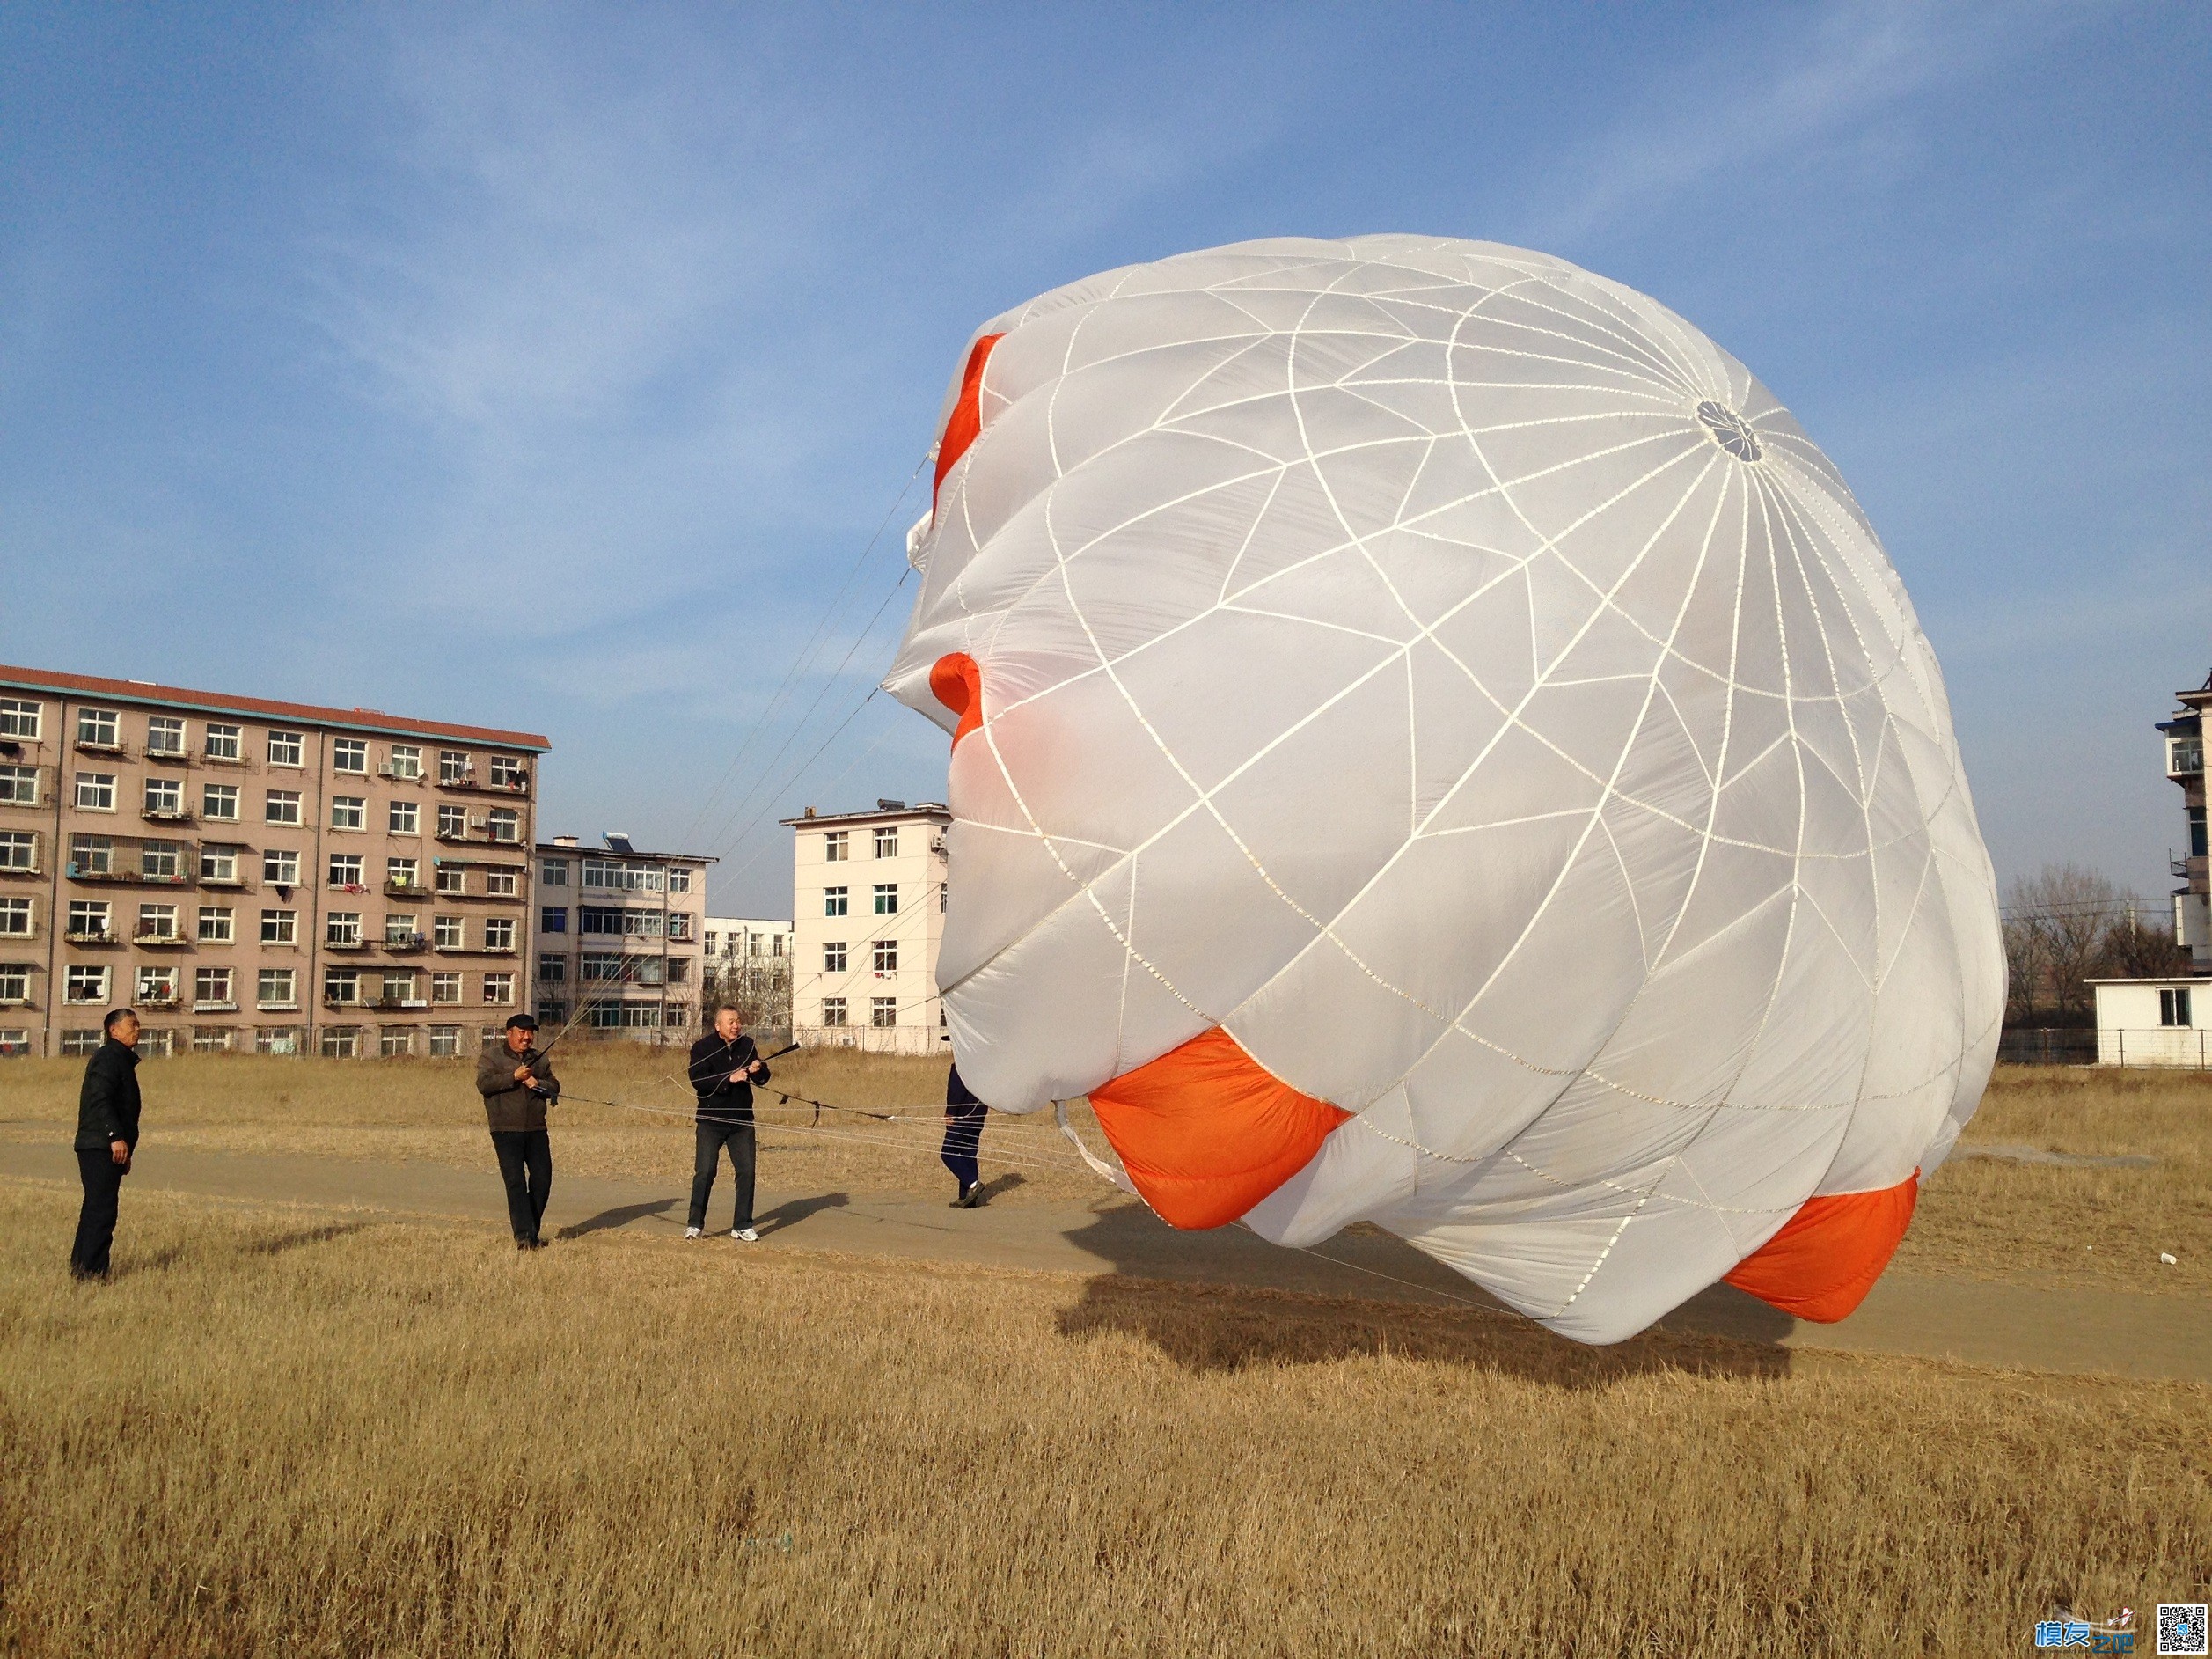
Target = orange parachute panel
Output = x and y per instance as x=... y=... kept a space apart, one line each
x=965 y=424
x=956 y=682
x=1821 y=1264
x=1205 y=1132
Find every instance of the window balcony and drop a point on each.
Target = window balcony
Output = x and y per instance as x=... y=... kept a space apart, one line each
x=92 y=745
x=407 y=889
x=208 y=757
x=399 y=773
x=156 y=938
x=341 y=1002
x=155 y=999
x=167 y=814
x=179 y=755
x=206 y=880
x=345 y=944
x=89 y=935
x=406 y=942
x=215 y=1005
x=469 y=780
x=278 y=1008
x=357 y=888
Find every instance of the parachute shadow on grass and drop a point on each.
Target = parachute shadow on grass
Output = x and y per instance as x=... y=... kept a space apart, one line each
x=1209 y=1328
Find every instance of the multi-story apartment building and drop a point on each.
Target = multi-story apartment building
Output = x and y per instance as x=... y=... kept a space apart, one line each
x=732 y=937
x=748 y=966
x=617 y=946
x=868 y=915
x=2184 y=733
x=254 y=875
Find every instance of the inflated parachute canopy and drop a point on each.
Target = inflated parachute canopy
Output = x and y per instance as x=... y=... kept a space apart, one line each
x=1435 y=743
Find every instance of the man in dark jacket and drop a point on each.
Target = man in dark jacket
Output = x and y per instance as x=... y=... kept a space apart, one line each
x=725 y=1065
x=964 y=1135
x=518 y=1084
x=106 y=1136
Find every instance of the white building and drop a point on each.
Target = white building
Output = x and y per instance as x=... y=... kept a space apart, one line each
x=617 y=945
x=2155 y=1022
x=868 y=914
x=746 y=936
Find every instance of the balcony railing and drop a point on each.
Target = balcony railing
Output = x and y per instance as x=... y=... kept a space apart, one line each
x=89 y=935
x=400 y=775
x=345 y=944
x=152 y=936
x=406 y=889
x=211 y=758
x=232 y=880
x=215 y=1005
x=406 y=941
x=178 y=753
x=485 y=786
x=82 y=871
x=155 y=999
x=94 y=746
x=168 y=814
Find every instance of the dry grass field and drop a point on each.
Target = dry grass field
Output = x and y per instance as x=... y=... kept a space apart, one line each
x=284 y=1433
x=1982 y=1218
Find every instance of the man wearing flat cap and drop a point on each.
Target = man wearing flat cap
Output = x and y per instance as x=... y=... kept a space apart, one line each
x=518 y=1084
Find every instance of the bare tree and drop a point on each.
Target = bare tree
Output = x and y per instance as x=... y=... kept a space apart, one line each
x=758 y=987
x=2135 y=949
x=2068 y=911
x=2026 y=970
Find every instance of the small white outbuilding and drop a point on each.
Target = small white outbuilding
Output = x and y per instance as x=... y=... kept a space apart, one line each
x=2155 y=1022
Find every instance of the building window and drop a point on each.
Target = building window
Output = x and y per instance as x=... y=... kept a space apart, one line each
x=508 y=773
x=19 y=850
x=345 y=871
x=402 y=932
x=498 y=933
x=211 y=989
x=833 y=956
x=2196 y=833
x=82 y=1042
x=836 y=847
x=19 y=786
x=279 y=927
x=452 y=823
x=500 y=883
x=156 y=984
x=164 y=798
x=447 y=932
x=401 y=873
x=598 y=967
x=553 y=919
x=446 y=1042
x=553 y=872
x=277 y=989
x=404 y=818
x=219 y=802
x=15 y=981
x=887 y=841
x=504 y=823
x=164 y=735
x=97 y=728
x=341 y=1042
x=886 y=897
x=499 y=988
x=157 y=922
x=679 y=881
x=280 y=869
x=445 y=987
x=833 y=1010
x=342 y=928
x=348 y=812
x=281 y=807
x=18 y=719
x=276 y=1039
x=220 y=741
x=285 y=748
x=833 y=901
x=883 y=1011
x=679 y=926
x=161 y=861
x=350 y=754
x=452 y=879
x=88 y=921
x=392 y=1044
x=92 y=855
x=15 y=917
x=83 y=982
x=219 y=863
x=405 y=763
x=620 y=878
x=551 y=970
x=2173 y=1005
x=341 y=985
x=453 y=768
x=216 y=924
x=96 y=791
x=886 y=956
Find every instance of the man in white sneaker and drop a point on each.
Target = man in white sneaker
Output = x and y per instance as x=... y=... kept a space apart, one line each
x=725 y=1065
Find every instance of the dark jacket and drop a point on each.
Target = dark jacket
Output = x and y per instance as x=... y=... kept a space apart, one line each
x=712 y=1059
x=108 y=1105
x=508 y=1104
x=961 y=1104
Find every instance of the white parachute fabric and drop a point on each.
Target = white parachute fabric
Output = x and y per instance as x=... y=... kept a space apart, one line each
x=1460 y=682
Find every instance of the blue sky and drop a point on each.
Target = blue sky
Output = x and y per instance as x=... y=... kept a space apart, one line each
x=552 y=367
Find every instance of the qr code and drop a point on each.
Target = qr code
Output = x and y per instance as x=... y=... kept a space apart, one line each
x=2181 y=1627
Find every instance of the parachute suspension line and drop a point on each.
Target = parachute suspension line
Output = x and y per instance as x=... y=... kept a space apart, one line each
x=805 y=654
x=1099 y=1166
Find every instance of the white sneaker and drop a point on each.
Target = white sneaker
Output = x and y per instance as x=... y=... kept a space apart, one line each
x=744 y=1235
x=692 y=1232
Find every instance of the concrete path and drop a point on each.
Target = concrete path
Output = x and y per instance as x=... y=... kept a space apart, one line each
x=2093 y=1331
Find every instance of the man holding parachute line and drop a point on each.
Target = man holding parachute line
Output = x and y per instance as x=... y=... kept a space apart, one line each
x=724 y=1066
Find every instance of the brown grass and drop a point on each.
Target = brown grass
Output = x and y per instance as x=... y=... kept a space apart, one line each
x=291 y=1435
x=1979 y=1218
